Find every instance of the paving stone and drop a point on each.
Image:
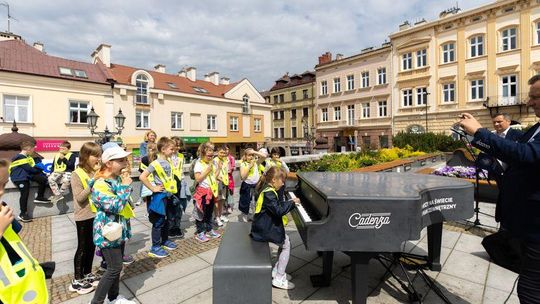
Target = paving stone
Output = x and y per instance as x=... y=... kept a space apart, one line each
x=80 y=299
x=466 y=266
x=209 y=255
x=301 y=253
x=204 y=297
x=303 y=287
x=470 y=244
x=458 y=291
x=501 y=278
x=65 y=245
x=64 y=255
x=495 y=296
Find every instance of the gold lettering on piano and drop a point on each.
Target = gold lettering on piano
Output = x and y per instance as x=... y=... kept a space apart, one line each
x=369 y=220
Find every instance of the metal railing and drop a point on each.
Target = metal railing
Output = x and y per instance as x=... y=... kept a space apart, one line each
x=506 y=101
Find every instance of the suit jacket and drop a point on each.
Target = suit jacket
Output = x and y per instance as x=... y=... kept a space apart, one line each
x=519 y=189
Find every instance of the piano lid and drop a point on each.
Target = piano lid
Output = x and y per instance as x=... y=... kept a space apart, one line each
x=388 y=185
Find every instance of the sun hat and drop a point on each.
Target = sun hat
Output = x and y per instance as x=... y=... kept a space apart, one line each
x=111 y=153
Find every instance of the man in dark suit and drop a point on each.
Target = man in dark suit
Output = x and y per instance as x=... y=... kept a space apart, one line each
x=520 y=190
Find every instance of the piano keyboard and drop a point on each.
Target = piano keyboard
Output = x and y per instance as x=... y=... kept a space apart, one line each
x=301 y=210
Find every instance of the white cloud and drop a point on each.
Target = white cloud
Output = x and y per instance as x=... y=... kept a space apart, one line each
x=259 y=40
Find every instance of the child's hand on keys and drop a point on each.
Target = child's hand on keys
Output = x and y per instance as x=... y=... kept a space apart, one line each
x=296 y=200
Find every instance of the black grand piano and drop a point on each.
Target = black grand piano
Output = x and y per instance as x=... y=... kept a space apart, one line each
x=365 y=214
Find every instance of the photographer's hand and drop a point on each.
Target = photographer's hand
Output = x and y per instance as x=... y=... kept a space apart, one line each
x=469 y=123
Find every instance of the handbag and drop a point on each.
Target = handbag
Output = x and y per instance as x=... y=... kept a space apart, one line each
x=112 y=231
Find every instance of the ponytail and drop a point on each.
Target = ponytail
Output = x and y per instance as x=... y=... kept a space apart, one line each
x=266 y=179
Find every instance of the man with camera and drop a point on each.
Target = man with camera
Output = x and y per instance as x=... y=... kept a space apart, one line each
x=520 y=190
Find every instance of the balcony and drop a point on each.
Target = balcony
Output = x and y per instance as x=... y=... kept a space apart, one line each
x=496 y=103
x=334 y=124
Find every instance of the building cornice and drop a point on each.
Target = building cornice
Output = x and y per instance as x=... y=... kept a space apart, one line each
x=360 y=56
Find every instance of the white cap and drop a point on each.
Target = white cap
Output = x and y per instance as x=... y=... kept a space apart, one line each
x=113 y=153
x=263 y=151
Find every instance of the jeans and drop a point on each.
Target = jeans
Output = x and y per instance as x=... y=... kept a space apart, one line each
x=208 y=211
x=84 y=256
x=160 y=228
x=528 y=287
x=24 y=188
x=110 y=281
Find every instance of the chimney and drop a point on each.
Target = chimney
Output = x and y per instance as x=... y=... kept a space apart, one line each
x=191 y=73
x=38 y=46
x=206 y=77
x=224 y=80
x=182 y=73
x=325 y=58
x=160 y=68
x=214 y=78
x=103 y=52
x=339 y=56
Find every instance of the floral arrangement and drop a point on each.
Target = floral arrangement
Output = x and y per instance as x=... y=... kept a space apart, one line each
x=460 y=171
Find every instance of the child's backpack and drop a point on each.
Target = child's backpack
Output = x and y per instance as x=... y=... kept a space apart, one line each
x=192 y=169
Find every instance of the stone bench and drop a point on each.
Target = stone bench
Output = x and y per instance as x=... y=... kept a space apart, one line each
x=242 y=271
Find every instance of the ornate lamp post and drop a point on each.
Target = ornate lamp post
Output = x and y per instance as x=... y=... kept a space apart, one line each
x=106 y=135
x=309 y=134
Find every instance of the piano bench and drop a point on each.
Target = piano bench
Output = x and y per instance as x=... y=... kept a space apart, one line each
x=242 y=271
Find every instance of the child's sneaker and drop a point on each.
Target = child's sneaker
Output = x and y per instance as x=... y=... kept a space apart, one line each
x=92 y=279
x=201 y=237
x=282 y=284
x=274 y=272
x=224 y=219
x=80 y=286
x=219 y=223
x=213 y=234
x=229 y=210
x=42 y=200
x=120 y=299
x=24 y=218
x=127 y=259
x=169 y=245
x=56 y=198
x=158 y=252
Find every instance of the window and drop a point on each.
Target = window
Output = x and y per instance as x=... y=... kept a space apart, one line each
x=281 y=98
x=293 y=132
x=509 y=39
x=383 y=109
x=449 y=92
x=276 y=132
x=337 y=85
x=200 y=90
x=65 y=71
x=406 y=61
x=80 y=74
x=350 y=82
x=293 y=113
x=141 y=83
x=257 y=125
x=421 y=58
x=305 y=112
x=365 y=79
x=245 y=105
x=176 y=120
x=366 y=141
x=477 y=89
x=421 y=96
x=509 y=89
x=350 y=115
x=142 y=119
x=324 y=87
x=381 y=75
x=324 y=115
x=172 y=85
x=211 y=122
x=537 y=32
x=305 y=94
x=278 y=115
x=477 y=46
x=281 y=132
x=383 y=141
x=17 y=108
x=233 y=123
x=449 y=53
x=275 y=99
x=365 y=110
x=78 y=111
x=337 y=113
x=407 y=98
x=293 y=96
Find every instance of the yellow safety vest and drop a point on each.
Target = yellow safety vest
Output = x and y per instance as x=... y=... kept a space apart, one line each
x=101 y=186
x=178 y=171
x=260 y=200
x=272 y=163
x=251 y=171
x=211 y=178
x=224 y=172
x=60 y=167
x=169 y=183
x=28 y=160
x=151 y=176
x=84 y=180
x=261 y=169
x=23 y=282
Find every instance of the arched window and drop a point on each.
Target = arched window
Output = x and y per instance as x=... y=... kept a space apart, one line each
x=245 y=106
x=141 y=83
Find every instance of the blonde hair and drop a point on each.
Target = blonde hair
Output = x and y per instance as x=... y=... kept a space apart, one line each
x=148 y=133
x=245 y=152
x=152 y=152
x=204 y=147
x=269 y=175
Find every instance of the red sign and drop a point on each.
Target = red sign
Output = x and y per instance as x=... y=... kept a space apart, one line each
x=47 y=145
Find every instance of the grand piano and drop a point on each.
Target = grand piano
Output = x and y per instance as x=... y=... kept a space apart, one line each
x=366 y=214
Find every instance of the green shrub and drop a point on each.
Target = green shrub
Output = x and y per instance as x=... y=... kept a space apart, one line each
x=428 y=142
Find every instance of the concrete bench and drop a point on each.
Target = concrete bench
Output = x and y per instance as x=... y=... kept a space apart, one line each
x=242 y=271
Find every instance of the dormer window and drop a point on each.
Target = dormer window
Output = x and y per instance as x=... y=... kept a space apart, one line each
x=142 y=89
x=200 y=90
x=65 y=71
x=245 y=106
x=172 y=85
x=80 y=74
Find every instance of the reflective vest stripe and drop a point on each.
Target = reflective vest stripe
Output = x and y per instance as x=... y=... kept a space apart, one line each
x=28 y=160
x=27 y=254
x=178 y=170
x=4 y=278
x=150 y=176
x=211 y=178
x=169 y=183
x=83 y=176
x=60 y=167
x=260 y=201
x=224 y=172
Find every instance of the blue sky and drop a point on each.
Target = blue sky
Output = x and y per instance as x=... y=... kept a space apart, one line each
x=258 y=40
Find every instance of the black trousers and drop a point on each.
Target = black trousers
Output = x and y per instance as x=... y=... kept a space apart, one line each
x=528 y=287
x=84 y=256
x=208 y=211
x=24 y=188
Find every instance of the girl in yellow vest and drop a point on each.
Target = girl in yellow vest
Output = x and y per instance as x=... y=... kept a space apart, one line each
x=110 y=195
x=206 y=192
x=84 y=213
x=250 y=175
x=22 y=280
x=221 y=161
x=63 y=165
x=269 y=221
x=163 y=189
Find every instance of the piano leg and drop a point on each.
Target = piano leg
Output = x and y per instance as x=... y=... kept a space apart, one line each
x=321 y=280
x=359 y=274
x=434 y=246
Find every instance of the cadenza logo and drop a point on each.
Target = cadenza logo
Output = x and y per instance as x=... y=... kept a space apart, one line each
x=369 y=220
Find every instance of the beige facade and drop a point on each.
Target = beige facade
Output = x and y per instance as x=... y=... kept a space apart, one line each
x=292 y=102
x=353 y=99
x=474 y=61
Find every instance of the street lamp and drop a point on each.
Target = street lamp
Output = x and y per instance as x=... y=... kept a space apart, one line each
x=106 y=135
x=309 y=134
